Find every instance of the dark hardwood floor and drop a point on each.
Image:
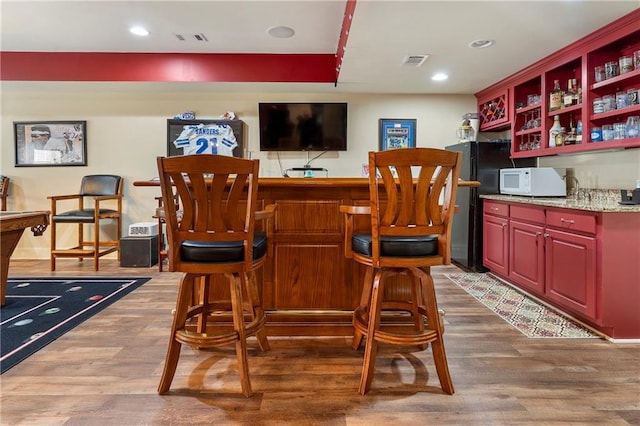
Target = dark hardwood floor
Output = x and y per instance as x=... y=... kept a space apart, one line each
x=106 y=371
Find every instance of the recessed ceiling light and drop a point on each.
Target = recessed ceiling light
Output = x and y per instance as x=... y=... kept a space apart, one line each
x=139 y=31
x=439 y=77
x=280 y=32
x=480 y=44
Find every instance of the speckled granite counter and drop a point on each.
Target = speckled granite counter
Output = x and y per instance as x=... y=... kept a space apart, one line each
x=596 y=204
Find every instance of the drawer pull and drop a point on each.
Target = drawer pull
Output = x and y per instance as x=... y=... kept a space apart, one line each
x=495 y=209
x=562 y=219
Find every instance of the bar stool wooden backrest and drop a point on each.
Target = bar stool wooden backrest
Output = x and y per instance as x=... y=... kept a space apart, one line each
x=410 y=232
x=214 y=234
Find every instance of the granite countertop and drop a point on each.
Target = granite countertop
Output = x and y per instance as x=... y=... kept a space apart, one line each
x=595 y=204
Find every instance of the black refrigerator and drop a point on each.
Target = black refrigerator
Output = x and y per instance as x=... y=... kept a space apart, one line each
x=481 y=161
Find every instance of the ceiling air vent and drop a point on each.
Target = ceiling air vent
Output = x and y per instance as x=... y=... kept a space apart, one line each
x=414 y=60
x=191 y=37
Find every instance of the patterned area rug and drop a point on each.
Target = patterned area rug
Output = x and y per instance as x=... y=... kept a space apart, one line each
x=39 y=310
x=524 y=313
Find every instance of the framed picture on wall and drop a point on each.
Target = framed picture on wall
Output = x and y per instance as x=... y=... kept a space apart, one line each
x=396 y=133
x=50 y=143
x=222 y=137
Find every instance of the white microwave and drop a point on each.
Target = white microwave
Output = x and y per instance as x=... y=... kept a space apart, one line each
x=533 y=182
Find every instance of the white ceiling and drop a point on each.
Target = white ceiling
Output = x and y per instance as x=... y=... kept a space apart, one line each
x=382 y=34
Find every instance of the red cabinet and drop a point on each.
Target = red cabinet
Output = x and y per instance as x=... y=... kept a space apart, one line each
x=527 y=107
x=495 y=244
x=493 y=109
x=583 y=262
x=526 y=247
x=570 y=278
x=526 y=256
x=550 y=253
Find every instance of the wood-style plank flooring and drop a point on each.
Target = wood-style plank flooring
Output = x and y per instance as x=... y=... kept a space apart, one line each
x=106 y=371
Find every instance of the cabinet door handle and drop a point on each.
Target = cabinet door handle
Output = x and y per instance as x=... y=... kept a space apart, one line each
x=504 y=225
x=538 y=233
x=546 y=235
x=562 y=219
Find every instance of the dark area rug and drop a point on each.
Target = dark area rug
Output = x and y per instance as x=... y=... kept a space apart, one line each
x=39 y=310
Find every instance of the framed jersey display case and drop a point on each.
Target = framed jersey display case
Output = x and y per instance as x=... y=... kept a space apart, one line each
x=223 y=137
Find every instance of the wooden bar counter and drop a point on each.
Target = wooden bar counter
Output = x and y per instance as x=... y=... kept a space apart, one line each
x=308 y=287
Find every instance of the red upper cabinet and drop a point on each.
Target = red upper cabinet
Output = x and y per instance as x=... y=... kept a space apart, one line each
x=616 y=98
x=527 y=95
x=493 y=108
x=528 y=116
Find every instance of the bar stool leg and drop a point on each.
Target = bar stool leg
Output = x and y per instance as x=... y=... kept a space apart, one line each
x=416 y=300
x=434 y=321
x=365 y=300
x=239 y=328
x=371 y=347
x=185 y=294
x=257 y=310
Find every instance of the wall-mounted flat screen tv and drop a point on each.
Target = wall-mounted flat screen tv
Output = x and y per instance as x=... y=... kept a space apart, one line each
x=303 y=126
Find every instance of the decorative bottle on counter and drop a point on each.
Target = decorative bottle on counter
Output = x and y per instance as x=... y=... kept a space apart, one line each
x=554 y=131
x=555 y=97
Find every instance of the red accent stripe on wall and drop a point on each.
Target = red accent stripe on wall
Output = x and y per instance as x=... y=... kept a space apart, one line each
x=344 y=35
x=167 y=67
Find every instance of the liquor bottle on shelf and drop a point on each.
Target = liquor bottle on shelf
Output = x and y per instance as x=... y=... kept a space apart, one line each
x=554 y=131
x=561 y=136
x=579 y=132
x=570 y=138
x=555 y=97
x=570 y=96
x=571 y=124
x=577 y=92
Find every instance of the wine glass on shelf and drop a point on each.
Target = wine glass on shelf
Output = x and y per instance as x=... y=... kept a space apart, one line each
x=537 y=144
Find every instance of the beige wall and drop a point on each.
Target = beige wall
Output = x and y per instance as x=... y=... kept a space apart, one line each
x=615 y=169
x=126 y=130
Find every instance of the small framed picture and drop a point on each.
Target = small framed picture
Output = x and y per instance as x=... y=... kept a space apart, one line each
x=50 y=143
x=396 y=133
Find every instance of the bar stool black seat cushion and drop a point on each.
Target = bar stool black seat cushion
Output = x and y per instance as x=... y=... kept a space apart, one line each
x=397 y=246
x=80 y=216
x=222 y=251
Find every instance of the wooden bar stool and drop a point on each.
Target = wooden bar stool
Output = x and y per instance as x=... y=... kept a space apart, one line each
x=410 y=232
x=214 y=242
x=104 y=195
x=162 y=242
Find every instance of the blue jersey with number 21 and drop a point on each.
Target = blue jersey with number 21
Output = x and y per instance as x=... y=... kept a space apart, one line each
x=206 y=139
